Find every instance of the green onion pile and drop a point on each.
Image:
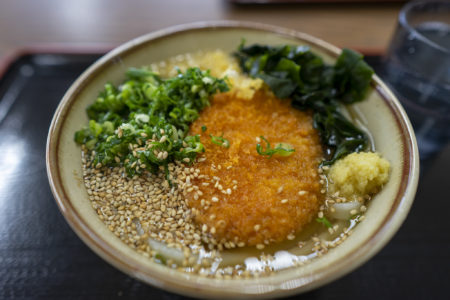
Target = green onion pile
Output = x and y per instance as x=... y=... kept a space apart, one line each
x=143 y=123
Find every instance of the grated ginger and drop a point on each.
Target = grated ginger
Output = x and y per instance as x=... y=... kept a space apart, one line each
x=358 y=175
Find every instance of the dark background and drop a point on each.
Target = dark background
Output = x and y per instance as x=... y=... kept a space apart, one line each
x=41 y=257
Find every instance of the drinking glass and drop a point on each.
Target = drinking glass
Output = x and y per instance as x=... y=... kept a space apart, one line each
x=417 y=67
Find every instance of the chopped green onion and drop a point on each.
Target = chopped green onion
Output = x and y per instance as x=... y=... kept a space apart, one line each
x=281 y=149
x=204 y=128
x=149 y=112
x=324 y=221
x=220 y=140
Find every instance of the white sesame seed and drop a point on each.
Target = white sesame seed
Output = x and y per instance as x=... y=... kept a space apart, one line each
x=260 y=246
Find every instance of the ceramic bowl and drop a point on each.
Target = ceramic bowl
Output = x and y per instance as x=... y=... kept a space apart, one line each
x=383 y=116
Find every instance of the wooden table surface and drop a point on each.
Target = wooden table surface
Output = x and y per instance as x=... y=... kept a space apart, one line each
x=81 y=23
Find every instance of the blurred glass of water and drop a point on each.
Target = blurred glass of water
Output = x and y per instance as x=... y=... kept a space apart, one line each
x=417 y=67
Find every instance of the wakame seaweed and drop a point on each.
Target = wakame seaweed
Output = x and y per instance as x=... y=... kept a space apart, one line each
x=142 y=124
x=297 y=73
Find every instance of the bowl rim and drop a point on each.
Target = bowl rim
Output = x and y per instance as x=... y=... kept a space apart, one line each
x=389 y=226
